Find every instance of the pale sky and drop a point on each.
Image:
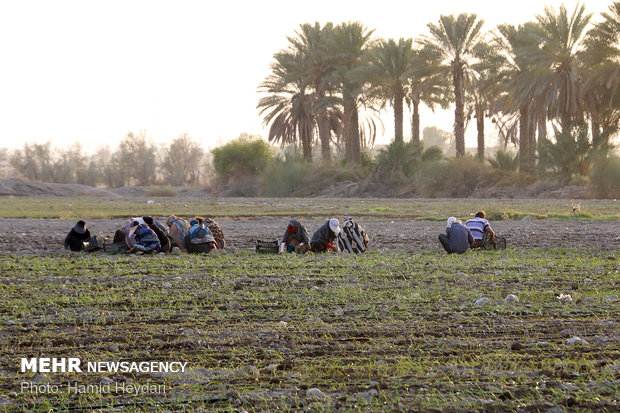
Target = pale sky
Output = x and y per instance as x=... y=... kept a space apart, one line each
x=91 y=71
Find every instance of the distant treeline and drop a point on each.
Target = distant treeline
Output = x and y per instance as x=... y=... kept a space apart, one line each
x=136 y=161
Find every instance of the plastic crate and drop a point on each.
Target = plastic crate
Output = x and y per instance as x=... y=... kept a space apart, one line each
x=499 y=244
x=267 y=247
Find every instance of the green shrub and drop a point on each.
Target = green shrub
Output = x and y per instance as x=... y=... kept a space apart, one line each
x=294 y=176
x=505 y=161
x=397 y=156
x=605 y=178
x=451 y=178
x=434 y=153
x=241 y=157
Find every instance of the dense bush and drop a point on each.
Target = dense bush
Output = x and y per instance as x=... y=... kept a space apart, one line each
x=241 y=157
x=451 y=178
x=605 y=178
x=293 y=176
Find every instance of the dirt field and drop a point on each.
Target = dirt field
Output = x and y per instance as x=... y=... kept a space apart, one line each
x=404 y=327
x=46 y=236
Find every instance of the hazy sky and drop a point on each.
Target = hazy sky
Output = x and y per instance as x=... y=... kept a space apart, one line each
x=91 y=71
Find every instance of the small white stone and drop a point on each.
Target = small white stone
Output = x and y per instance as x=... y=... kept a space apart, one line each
x=315 y=393
x=511 y=298
x=339 y=312
x=565 y=298
x=167 y=285
x=482 y=301
x=576 y=340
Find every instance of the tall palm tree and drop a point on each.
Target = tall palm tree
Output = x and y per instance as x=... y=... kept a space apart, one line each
x=452 y=41
x=312 y=42
x=602 y=77
x=289 y=103
x=557 y=79
x=350 y=42
x=389 y=62
x=427 y=85
x=482 y=88
x=514 y=45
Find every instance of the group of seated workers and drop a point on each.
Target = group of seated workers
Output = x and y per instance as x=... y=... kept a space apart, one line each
x=476 y=233
x=201 y=235
x=328 y=237
x=147 y=235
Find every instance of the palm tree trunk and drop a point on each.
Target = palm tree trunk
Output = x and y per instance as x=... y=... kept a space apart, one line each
x=531 y=154
x=306 y=137
x=415 y=128
x=323 y=124
x=324 y=137
x=542 y=135
x=352 y=137
x=459 y=112
x=523 y=138
x=398 y=116
x=595 y=127
x=480 y=128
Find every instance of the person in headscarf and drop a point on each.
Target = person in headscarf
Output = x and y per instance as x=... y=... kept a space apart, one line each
x=142 y=239
x=295 y=238
x=323 y=238
x=352 y=238
x=216 y=231
x=77 y=236
x=457 y=238
x=162 y=233
x=178 y=230
x=199 y=238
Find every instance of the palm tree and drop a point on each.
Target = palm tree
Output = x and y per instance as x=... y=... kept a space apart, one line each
x=427 y=85
x=452 y=41
x=389 y=61
x=602 y=78
x=556 y=80
x=482 y=86
x=312 y=42
x=289 y=104
x=514 y=45
x=350 y=42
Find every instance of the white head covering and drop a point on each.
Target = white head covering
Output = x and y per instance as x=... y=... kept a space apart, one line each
x=451 y=221
x=334 y=225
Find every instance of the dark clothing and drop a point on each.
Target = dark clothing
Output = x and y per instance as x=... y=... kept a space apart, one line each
x=321 y=237
x=458 y=239
x=202 y=247
x=216 y=231
x=76 y=237
x=300 y=234
x=163 y=235
x=144 y=239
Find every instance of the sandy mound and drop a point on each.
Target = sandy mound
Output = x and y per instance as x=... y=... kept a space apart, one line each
x=19 y=187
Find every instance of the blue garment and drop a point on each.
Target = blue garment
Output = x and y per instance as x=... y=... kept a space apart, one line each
x=144 y=239
x=477 y=226
x=458 y=238
x=200 y=234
